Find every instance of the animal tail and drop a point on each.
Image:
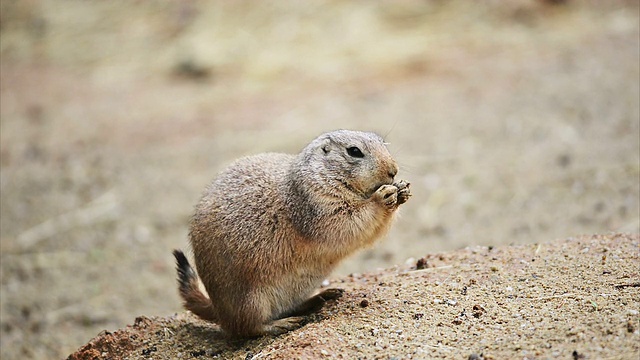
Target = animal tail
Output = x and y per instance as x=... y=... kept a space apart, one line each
x=193 y=299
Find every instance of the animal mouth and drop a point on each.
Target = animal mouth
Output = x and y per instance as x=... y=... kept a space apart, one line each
x=366 y=193
x=377 y=186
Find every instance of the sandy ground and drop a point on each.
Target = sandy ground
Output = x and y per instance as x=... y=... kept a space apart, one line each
x=516 y=122
x=574 y=299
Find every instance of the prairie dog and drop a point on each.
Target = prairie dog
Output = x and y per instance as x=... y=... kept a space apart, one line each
x=271 y=227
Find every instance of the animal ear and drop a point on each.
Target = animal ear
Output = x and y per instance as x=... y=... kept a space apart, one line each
x=326 y=146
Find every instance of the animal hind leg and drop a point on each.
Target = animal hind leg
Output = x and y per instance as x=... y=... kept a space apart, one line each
x=316 y=302
x=281 y=326
x=253 y=318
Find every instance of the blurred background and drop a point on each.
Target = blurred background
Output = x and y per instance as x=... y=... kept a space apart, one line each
x=515 y=121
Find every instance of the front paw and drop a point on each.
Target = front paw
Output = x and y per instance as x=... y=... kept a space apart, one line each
x=404 y=193
x=387 y=196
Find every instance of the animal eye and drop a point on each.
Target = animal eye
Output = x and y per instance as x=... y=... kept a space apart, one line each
x=355 y=152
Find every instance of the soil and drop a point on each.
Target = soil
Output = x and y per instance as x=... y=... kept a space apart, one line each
x=516 y=122
x=573 y=299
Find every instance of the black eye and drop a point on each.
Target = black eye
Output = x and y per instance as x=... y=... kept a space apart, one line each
x=355 y=152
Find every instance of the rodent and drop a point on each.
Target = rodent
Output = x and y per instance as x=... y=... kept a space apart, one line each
x=271 y=227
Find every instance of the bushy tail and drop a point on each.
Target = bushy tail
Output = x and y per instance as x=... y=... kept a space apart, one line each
x=193 y=299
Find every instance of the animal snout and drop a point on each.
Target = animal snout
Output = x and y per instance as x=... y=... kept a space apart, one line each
x=392 y=172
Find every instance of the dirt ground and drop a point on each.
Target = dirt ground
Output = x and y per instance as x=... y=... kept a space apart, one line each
x=574 y=299
x=516 y=122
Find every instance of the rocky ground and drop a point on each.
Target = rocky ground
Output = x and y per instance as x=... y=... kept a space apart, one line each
x=516 y=122
x=572 y=299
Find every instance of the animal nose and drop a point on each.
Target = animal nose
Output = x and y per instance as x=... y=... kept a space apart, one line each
x=392 y=172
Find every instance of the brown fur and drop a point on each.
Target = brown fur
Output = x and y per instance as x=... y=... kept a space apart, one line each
x=272 y=226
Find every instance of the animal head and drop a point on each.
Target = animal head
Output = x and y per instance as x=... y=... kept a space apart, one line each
x=360 y=161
